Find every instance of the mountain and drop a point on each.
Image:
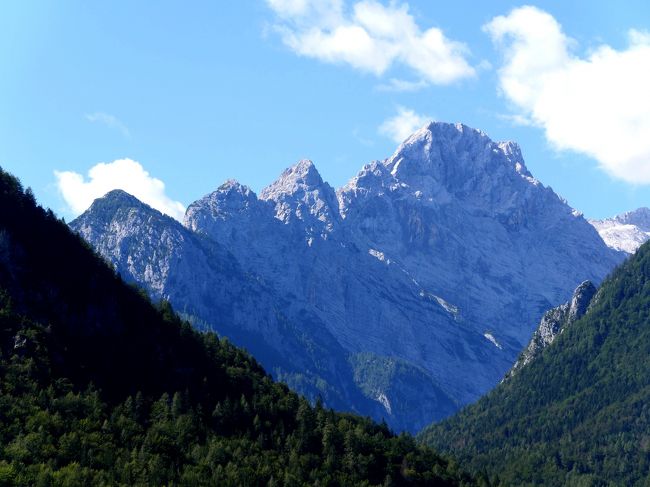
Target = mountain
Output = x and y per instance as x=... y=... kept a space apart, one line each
x=553 y=323
x=208 y=286
x=100 y=387
x=578 y=413
x=625 y=232
x=419 y=281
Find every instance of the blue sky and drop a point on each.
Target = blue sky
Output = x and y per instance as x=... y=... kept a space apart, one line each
x=200 y=92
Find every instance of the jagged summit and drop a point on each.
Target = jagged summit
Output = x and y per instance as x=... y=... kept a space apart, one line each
x=232 y=190
x=233 y=185
x=438 y=129
x=581 y=299
x=118 y=201
x=639 y=217
x=512 y=151
x=302 y=176
x=301 y=194
x=457 y=157
x=625 y=232
x=231 y=199
x=119 y=196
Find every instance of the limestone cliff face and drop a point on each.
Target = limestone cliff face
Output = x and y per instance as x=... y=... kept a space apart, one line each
x=434 y=264
x=554 y=322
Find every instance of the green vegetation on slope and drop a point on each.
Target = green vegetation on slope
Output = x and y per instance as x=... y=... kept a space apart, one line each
x=100 y=387
x=579 y=414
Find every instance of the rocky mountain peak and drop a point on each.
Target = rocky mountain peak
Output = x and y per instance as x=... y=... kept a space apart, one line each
x=234 y=186
x=512 y=151
x=301 y=194
x=460 y=160
x=580 y=300
x=232 y=190
x=302 y=176
x=230 y=200
x=625 y=232
x=119 y=197
x=429 y=150
x=555 y=322
x=639 y=217
x=117 y=205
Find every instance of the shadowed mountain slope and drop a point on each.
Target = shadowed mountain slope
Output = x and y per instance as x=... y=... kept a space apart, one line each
x=100 y=387
x=577 y=413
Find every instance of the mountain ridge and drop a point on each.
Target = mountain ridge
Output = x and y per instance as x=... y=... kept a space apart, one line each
x=625 y=232
x=578 y=413
x=443 y=256
x=99 y=386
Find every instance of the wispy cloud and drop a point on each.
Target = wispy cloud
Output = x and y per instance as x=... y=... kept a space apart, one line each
x=110 y=121
x=596 y=104
x=403 y=124
x=370 y=37
x=356 y=133
x=125 y=174
x=516 y=119
x=402 y=85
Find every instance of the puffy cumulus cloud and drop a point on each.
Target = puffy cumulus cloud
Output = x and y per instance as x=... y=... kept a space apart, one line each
x=370 y=37
x=124 y=174
x=596 y=104
x=403 y=124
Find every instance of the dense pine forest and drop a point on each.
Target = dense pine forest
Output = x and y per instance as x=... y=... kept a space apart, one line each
x=579 y=414
x=98 y=386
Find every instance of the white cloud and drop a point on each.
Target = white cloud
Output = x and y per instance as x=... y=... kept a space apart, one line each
x=395 y=84
x=399 y=127
x=372 y=37
x=110 y=121
x=292 y=9
x=124 y=174
x=596 y=104
x=516 y=119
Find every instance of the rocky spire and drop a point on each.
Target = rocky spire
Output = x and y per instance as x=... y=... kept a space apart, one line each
x=302 y=176
x=301 y=194
x=555 y=322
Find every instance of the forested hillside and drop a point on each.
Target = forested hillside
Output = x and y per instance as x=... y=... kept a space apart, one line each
x=100 y=387
x=579 y=414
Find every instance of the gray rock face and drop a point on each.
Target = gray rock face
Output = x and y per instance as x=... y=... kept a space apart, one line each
x=625 y=232
x=424 y=275
x=207 y=285
x=554 y=322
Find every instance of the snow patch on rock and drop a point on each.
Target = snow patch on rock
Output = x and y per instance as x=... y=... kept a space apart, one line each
x=383 y=400
x=491 y=339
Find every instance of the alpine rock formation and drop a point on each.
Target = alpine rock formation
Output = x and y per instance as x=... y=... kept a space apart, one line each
x=625 y=232
x=554 y=322
x=404 y=295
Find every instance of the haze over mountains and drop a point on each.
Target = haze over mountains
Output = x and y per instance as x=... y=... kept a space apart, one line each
x=404 y=295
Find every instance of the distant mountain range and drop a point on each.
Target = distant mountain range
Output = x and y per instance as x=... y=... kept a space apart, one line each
x=625 y=232
x=403 y=295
